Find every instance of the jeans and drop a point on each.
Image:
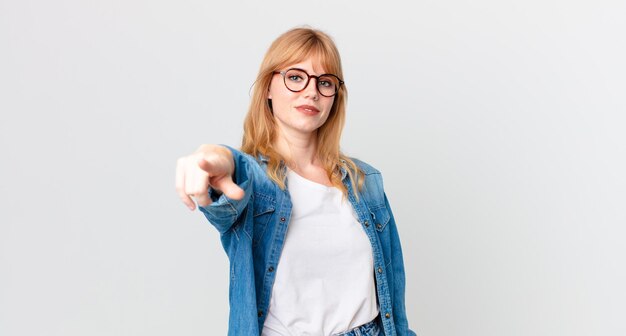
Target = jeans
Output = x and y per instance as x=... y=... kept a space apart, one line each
x=371 y=328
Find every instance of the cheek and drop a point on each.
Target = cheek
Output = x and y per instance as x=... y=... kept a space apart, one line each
x=278 y=94
x=273 y=90
x=329 y=105
x=280 y=102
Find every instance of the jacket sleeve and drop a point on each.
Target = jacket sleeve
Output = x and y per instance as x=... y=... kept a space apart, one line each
x=399 y=279
x=223 y=212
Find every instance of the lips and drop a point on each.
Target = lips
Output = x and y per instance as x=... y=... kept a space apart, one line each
x=308 y=109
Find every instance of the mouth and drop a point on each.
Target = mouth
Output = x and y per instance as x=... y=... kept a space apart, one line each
x=308 y=109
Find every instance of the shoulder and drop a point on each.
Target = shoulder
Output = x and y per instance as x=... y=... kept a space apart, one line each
x=238 y=154
x=248 y=167
x=372 y=189
x=373 y=186
x=365 y=167
x=243 y=159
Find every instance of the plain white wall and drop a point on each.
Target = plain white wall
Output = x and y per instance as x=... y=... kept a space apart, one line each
x=499 y=127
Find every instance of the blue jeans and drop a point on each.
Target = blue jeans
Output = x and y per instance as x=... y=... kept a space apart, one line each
x=371 y=328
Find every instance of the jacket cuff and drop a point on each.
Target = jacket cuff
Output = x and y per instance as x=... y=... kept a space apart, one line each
x=224 y=211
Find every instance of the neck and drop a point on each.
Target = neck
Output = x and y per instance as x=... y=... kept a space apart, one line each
x=299 y=150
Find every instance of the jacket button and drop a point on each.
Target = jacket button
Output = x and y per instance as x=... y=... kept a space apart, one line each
x=379 y=226
x=367 y=223
x=387 y=315
x=271 y=269
x=380 y=270
x=282 y=219
x=260 y=313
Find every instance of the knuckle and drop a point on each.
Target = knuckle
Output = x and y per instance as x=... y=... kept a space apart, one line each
x=195 y=191
x=181 y=161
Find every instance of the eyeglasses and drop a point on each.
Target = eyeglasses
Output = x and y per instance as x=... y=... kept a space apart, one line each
x=297 y=80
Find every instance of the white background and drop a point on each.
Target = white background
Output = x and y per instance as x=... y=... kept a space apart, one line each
x=499 y=127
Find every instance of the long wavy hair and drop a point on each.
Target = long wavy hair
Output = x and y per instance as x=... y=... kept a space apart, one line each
x=294 y=46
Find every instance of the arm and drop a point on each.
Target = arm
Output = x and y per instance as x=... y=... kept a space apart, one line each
x=399 y=280
x=211 y=171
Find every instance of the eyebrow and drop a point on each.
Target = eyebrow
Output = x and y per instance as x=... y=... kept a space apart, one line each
x=296 y=66
x=309 y=73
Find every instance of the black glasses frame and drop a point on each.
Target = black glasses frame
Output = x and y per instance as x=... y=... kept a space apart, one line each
x=308 y=78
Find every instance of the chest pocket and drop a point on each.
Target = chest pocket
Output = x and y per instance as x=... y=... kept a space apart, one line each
x=380 y=216
x=264 y=207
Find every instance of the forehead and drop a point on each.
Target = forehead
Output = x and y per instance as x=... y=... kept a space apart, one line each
x=312 y=65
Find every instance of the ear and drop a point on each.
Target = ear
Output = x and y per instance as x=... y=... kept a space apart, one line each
x=269 y=94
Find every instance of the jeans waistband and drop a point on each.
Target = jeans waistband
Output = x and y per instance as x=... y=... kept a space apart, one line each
x=371 y=328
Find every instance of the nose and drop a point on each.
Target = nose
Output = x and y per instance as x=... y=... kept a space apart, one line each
x=310 y=91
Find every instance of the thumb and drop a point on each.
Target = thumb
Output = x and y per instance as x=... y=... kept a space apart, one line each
x=212 y=169
x=226 y=185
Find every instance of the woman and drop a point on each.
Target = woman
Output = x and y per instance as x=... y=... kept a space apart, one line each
x=312 y=243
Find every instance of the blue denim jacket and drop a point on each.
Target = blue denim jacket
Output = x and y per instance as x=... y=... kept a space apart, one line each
x=253 y=231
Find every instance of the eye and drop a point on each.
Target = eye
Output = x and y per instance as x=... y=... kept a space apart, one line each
x=295 y=78
x=325 y=83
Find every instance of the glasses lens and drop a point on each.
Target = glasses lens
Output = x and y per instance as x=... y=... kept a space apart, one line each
x=327 y=85
x=296 y=80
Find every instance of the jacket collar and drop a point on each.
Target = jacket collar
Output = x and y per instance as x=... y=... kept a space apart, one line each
x=263 y=158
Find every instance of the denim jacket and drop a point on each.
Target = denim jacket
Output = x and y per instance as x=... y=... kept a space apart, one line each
x=253 y=229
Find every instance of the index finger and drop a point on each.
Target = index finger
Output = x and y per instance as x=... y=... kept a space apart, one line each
x=180 y=186
x=207 y=166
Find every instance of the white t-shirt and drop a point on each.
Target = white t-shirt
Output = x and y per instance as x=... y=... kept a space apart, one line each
x=325 y=276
